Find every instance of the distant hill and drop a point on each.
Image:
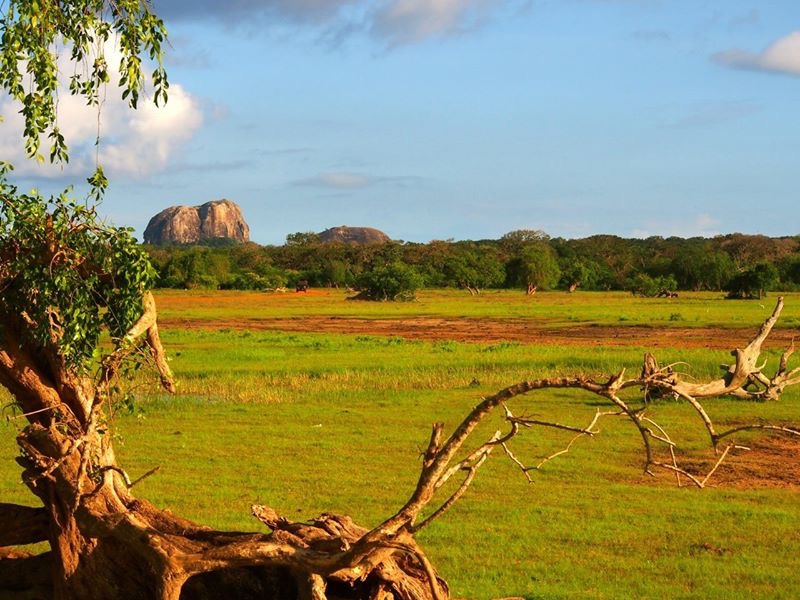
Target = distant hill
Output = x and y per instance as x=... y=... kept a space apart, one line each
x=353 y=235
x=212 y=222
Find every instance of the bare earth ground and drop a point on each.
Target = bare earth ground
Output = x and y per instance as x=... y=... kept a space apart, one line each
x=488 y=330
x=770 y=462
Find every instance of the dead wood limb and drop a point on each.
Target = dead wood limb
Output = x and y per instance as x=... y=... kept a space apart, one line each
x=314 y=588
x=582 y=432
x=439 y=462
x=528 y=422
x=664 y=437
x=471 y=471
x=160 y=358
x=738 y=374
x=720 y=460
x=146 y=326
x=793 y=431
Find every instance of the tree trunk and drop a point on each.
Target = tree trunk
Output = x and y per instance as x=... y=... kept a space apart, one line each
x=107 y=544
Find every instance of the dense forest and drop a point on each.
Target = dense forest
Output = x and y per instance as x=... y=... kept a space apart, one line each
x=743 y=265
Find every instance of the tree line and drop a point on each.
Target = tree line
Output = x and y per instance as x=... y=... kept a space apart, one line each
x=742 y=265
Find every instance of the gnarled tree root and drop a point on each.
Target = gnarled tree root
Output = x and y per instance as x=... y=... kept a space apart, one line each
x=147 y=553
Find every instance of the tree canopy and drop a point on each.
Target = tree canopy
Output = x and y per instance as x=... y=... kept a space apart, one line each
x=36 y=37
x=596 y=263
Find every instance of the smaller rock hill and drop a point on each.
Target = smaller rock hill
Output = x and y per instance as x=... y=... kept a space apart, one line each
x=215 y=221
x=353 y=235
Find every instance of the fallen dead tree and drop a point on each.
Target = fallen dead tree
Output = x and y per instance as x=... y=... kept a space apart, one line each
x=106 y=543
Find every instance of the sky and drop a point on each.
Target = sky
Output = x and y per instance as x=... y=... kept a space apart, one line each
x=462 y=119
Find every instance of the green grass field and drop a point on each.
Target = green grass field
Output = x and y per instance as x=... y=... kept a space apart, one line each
x=309 y=423
x=692 y=309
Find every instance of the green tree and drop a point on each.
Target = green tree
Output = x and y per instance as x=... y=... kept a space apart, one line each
x=513 y=242
x=789 y=270
x=577 y=273
x=747 y=250
x=474 y=270
x=754 y=282
x=33 y=31
x=536 y=268
x=698 y=266
x=618 y=258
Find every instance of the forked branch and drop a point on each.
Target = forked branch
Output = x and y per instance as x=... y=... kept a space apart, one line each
x=146 y=326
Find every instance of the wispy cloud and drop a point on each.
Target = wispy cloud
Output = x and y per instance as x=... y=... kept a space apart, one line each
x=700 y=225
x=748 y=19
x=336 y=181
x=344 y=180
x=652 y=35
x=311 y=12
x=299 y=150
x=714 y=113
x=390 y=23
x=408 y=21
x=216 y=167
x=782 y=56
x=185 y=52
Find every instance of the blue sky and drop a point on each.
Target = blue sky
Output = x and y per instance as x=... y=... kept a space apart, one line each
x=465 y=119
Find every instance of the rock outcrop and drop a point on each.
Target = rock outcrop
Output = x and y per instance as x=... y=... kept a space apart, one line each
x=218 y=220
x=353 y=235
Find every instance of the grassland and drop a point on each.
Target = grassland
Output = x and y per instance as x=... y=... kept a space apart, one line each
x=309 y=422
x=698 y=309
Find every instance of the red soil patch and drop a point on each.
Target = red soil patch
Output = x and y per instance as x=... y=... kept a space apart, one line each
x=306 y=293
x=770 y=462
x=487 y=330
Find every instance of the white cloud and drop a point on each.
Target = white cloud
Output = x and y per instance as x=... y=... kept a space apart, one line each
x=133 y=142
x=782 y=56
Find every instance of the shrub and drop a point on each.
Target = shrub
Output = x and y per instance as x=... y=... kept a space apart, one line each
x=394 y=281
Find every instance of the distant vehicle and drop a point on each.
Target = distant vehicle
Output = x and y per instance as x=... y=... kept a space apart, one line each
x=302 y=286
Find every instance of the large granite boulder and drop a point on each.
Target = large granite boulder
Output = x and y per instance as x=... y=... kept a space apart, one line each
x=353 y=235
x=214 y=221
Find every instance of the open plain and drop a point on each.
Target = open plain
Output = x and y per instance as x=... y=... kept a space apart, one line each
x=311 y=403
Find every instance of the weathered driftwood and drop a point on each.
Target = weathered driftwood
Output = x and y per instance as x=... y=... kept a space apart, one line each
x=107 y=544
